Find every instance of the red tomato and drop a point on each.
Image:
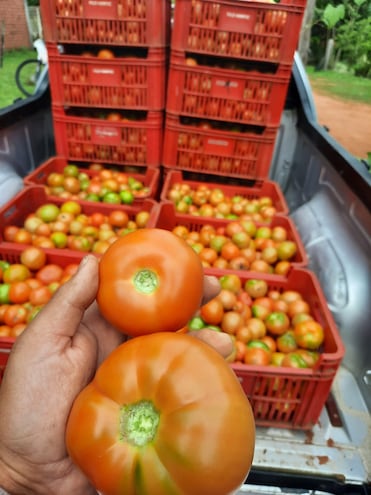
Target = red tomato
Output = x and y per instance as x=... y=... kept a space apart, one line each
x=162 y=431
x=150 y=281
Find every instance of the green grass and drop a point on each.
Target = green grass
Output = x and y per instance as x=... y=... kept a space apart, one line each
x=341 y=84
x=9 y=91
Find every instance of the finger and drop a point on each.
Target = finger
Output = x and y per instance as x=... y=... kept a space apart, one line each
x=107 y=336
x=220 y=341
x=63 y=313
x=211 y=288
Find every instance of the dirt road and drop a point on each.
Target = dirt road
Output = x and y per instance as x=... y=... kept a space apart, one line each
x=348 y=122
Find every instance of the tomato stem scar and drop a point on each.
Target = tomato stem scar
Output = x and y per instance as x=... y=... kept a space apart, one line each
x=145 y=281
x=139 y=422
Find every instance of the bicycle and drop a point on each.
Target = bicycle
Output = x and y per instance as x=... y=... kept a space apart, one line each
x=31 y=73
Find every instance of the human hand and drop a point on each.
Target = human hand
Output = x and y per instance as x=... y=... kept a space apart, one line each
x=51 y=362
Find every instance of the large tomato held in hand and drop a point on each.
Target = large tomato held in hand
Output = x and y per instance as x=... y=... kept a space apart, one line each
x=150 y=281
x=164 y=414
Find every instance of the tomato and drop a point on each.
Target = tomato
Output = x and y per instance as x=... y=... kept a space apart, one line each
x=231 y=322
x=286 y=342
x=309 y=334
x=257 y=328
x=293 y=360
x=196 y=323
x=16 y=273
x=231 y=282
x=14 y=314
x=5 y=330
x=310 y=357
x=270 y=342
x=150 y=280
x=240 y=350
x=40 y=296
x=298 y=307
x=19 y=292
x=17 y=329
x=227 y=298
x=257 y=356
x=256 y=288
x=161 y=432
x=4 y=293
x=212 y=312
x=50 y=273
x=277 y=322
x=33 y=257
x=259 y=310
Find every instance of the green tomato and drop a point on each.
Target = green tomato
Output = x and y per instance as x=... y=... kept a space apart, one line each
x=4 y=293
x=126 y=197
x=4 y=265
x=112 y=198
x=196 y=323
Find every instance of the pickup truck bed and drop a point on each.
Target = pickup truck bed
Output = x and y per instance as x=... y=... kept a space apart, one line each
x=328 y=193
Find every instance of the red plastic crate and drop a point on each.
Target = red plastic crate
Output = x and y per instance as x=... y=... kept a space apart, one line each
x=15 y=211
x=232 y=154
x=260 y=31
x=291 y=397
x=265 y=188
x=248 y=97
x=134 y=142
x=127 y=82
x=167 y=218
x=107 y=22
x=12 y=254
x=150 y=178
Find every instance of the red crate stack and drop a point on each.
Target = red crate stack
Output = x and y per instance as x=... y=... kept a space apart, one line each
x=230 y=67
x=107 y=66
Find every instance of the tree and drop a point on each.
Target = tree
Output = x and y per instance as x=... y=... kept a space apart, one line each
x=306 y=31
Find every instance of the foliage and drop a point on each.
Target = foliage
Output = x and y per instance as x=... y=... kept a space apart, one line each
x=348 y=22
x=9 y=91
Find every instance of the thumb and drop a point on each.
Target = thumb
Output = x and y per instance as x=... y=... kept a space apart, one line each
x=63 y=313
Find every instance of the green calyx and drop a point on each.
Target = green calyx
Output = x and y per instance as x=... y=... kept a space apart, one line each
x=146 y=281
x=138 y=423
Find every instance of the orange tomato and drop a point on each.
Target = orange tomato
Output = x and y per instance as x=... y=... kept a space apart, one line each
x=19 y=292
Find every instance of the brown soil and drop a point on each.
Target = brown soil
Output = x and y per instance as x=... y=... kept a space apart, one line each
x=348 y=122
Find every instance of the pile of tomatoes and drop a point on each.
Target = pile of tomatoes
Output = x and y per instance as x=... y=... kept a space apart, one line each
x=66 y=226
x=25 y=287
x=95 y=184
x=213 y=202
x=242 y=245
x=268 y=326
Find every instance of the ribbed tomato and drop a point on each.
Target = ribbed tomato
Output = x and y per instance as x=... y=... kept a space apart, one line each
x=164 y=414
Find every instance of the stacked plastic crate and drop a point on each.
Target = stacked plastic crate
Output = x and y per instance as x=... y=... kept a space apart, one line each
x=107 y=66
x=229 y=72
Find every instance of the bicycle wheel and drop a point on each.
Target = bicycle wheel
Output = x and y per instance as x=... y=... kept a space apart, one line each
x=26 y=76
